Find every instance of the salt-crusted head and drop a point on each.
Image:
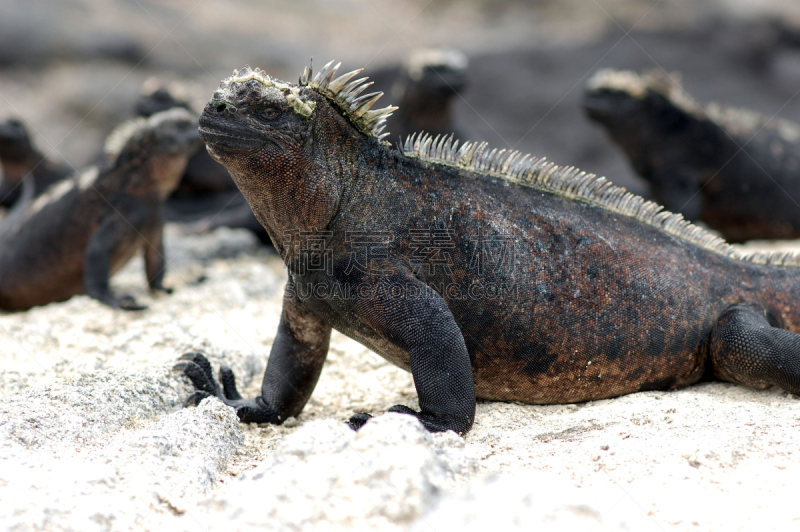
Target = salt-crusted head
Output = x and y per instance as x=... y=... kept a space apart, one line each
x=261 y=107
x=284 y=143
x=644 y=113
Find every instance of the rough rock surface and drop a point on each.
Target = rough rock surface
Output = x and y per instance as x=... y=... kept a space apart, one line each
x=130 y=483
x=93 y=436
x=519 y=502
x=326 y=476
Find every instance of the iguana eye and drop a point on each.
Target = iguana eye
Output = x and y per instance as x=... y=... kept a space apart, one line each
x=270 y=113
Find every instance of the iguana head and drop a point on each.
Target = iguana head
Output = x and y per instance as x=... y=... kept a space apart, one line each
x=17 y=154
x=425 y=87
x=643 y=114
x=15 y=143
x=434 y=69
x=160 y=145
x=285 y=144
x=157 y=95
x=252 y=111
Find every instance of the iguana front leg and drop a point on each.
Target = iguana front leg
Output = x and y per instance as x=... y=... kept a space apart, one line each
x=154 y=259
x=294 y=366
x=97 y=261
x=440 y=363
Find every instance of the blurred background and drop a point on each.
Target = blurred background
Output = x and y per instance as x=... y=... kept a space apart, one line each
x=72 y=69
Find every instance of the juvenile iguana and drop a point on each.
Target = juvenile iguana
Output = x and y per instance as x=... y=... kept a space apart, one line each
x=737 y=171
x=485 y=273
x=71 y=239
x=206 y=196
x=19 y=157
x=203 y=175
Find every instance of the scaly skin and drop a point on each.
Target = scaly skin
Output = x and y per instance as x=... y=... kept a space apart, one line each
x=74 y=237
x=742 y=179
x=591 y=304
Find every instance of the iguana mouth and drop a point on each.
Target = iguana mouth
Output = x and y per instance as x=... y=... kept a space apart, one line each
x=225 y=138
x=597 y=106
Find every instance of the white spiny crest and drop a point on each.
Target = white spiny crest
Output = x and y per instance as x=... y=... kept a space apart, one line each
x=572 y=183
x=347 y=95
x=637 y=85
x=118 y=138
x=746 y=122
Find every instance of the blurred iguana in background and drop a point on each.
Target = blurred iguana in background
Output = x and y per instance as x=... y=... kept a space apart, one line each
x=735 y=170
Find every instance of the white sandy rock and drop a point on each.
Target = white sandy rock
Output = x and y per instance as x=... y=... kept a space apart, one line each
x=131 y=483
x=89 y=410
x=327 y=477
x=517 y=503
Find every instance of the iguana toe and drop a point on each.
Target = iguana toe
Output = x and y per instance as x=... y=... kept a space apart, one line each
x=228 y=381
x=431 y=422
x=198 y=358
x=197 y=367
x=128 y=302
x=358 y=420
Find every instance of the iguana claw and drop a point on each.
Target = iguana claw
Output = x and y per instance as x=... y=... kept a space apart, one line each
x=128 y=302
x=197 y=367
x=357 y=421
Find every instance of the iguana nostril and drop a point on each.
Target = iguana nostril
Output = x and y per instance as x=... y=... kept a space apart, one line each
x=221 y=107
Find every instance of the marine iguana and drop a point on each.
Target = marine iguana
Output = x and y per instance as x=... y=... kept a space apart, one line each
x=19 y=157
x=424 y=86
x=71 y=239
x=737 y=171
x=203 y=175
x=424 y=90
x=206 y=196
x=485 y=273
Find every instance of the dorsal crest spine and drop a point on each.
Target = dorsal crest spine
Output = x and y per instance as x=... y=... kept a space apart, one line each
x=570 y=182
x=346 y=94
x=121 y=135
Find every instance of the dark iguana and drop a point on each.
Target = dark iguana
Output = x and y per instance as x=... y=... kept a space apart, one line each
x=424 y=90
x=735 y=170
x=19 y=157
x=206 y=195
x=425 y=85
x=203 y=176
x=71 y=239
x=485 y=273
